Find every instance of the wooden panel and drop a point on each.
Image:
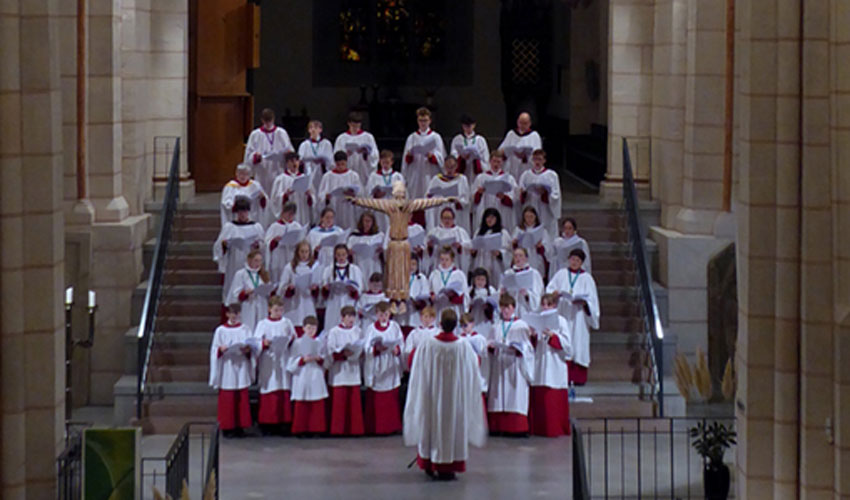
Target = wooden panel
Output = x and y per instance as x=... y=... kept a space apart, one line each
x=222 y=47
x=217 y=147
x=254 y=33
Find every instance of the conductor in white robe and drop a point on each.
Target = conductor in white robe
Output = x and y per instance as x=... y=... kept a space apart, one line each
x=444 y=411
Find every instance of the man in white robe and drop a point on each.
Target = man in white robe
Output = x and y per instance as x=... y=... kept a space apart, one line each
x=540 y=188
x=242 y=185
x=503 y=201
x=231 y=372
x=265 y=148
x=235 y=240
x=423 y=155
x=359 y=146
x=335 y=186
x=449 y=184
x=519 y=144
x=444 y=412
x=292 y=186
x=316 y=153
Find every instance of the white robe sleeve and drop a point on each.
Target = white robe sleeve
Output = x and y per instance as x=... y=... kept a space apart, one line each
x=215 y=360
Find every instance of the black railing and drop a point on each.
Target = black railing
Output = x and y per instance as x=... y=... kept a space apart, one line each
x=182 y=464
x=581 y=490
x=147 y=323
x=654 y=331
x=642 y=457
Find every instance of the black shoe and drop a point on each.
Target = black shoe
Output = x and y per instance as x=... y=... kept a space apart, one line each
x=228 y=434
x=446 y=476
x=239 y=432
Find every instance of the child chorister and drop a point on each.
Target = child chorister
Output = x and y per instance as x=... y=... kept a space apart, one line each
x=503 y=201
x=448 y=233
x=231 y=373
x=274 y=333
x=448 y=284
x=470 y=149
x=427 y=329
x=494 y=261
x=382 y=372
x=479 y=343
x=243 y=186
x=281 y=238
x=528 y=296
x=286 y=190
x=374 y=295
x=511 y=372
x=345 y=346
x=367 y=245
x=234 y=242
x=316 y=153
x=380 y=184
x=307 y=362
x=565 y=243
x=419 y=295
x=550 y=407
x=263 y=142
x=359 y=146
x=540 y=188
x=449 y=183
x=323 y=253
x=483 y=299
x=533 y=236
x=336 y=185
x=519 y=144
x=423 y=155
x=250 y=288
x=342 y=283
x=300 y=296
x=579 y=304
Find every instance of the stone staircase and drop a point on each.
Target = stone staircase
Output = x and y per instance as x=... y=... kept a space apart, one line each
x=190 y=310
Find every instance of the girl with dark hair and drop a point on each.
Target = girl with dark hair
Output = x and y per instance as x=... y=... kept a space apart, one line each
x=494 y=261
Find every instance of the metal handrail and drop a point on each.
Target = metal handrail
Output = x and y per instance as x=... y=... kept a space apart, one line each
x=152 y=294
x=651 y=318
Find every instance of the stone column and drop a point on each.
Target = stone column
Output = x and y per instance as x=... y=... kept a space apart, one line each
x=31 y=253
x=630 y=53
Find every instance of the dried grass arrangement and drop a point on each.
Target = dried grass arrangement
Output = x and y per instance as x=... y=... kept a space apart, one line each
x=694 y=382
x=209 y=491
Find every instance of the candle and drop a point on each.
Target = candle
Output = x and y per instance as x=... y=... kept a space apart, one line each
x=91 y=299
x=69 y=296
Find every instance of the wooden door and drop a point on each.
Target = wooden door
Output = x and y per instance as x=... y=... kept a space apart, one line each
x=223 y=48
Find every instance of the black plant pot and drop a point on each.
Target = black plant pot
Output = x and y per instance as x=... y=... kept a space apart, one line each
x=716 y=481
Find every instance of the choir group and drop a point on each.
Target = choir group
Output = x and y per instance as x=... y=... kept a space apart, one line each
x=306 y=316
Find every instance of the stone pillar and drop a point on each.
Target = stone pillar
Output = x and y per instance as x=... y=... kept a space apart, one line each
x=630 y=53
x=31 y=253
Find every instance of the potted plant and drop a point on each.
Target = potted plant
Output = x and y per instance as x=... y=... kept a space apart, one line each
x=711 y=441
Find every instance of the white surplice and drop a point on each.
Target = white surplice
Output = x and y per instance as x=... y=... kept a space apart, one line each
x=420 y=288
x=250 y=190
x=308 y=379
x=579 y=321
x=233 y=258
x=508 y=213
x=415 y=338
x=562 y=246
x=304 y=202
x=266 y=142
x=325 y=254
x=335 y=300
x=550 y=364
x=271 y=370
x=280 y=254
x=302 y=303
x=231 y=370
x=514 y=139
x=494 y=266
x=531 y=301
x=478 y=299
x=472 y=167
x=343 y=372
x=382 y=371
x=443 y=413
x=417 y=172
x=439 y=279
x=479 y=345
x=356 y=161
x=366 y=307
x=371 y=264
x=510 y=374
x=317 y=158
x=432 y=215
x=255 y=307
x=550 y=210
x=345 y=214
x=454 y=233
x=536 y=260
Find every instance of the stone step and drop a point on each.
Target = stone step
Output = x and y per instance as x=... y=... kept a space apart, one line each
x=612 y=407
x=188 y=323
x=192 y=277
x=186 y=406
x=191 y=262
x=195 y=233
x=181 y=372
x=190 y=307
x=205 y=219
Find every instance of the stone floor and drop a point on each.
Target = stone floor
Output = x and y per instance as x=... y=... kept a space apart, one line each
x=375 y=468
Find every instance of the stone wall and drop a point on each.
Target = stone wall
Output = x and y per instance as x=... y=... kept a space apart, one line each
x=31 y=249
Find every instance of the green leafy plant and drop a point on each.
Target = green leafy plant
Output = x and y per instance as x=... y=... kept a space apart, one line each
x=712 y=440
